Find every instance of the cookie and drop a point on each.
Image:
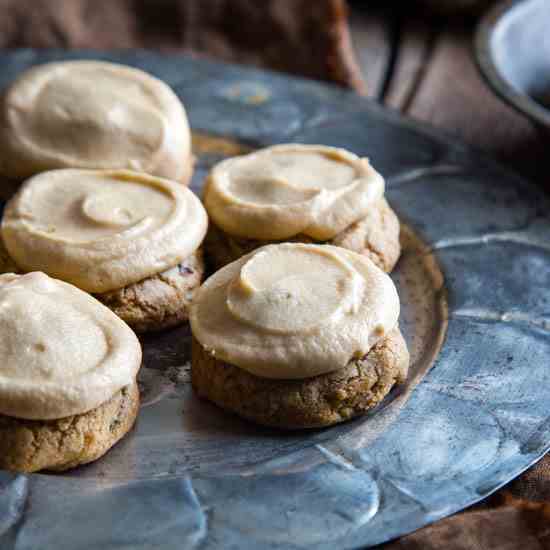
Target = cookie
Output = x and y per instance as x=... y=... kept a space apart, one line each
x=311 y=403
x=68 y=388
x=299 y=193
x=93 y=115
x=376 y=236
x=297 y=335
x=61 y=444
x=131 y=240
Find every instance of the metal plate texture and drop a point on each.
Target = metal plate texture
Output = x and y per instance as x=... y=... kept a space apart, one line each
x=473 y=281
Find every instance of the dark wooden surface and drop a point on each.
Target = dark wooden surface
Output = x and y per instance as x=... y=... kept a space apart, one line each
x=425 y=67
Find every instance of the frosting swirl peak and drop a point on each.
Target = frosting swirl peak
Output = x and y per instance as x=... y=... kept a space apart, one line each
x=102 y=230
x=285 y=190
x=294 y=310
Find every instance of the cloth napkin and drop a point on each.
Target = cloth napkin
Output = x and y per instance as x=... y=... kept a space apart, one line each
x=303 y=37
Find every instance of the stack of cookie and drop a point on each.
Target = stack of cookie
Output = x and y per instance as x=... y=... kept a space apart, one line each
x=105 y=209
x=297 y=328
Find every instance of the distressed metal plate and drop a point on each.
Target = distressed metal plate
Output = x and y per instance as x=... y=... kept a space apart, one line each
x=473 y=281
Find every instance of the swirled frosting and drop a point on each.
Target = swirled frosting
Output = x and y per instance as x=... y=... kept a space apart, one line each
x=63 y=352
x=294 y=311
x=102 y=230
x=285 y=190
x=92 y=114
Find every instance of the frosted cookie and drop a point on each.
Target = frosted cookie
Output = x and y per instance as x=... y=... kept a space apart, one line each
x=130 y=239
x=68 y=388
x=93 y=114
x=297 y=336
x=299 y=193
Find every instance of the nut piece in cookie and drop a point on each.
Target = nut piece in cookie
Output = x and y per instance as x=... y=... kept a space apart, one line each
x=161 y=301
x=130 y=239
x=297 y=336
x=299 y=193
x=93 y=114
x=68 y=388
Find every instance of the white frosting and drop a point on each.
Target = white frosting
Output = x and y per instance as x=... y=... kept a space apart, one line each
x=286 y=190
x=63 y=352
x=102 y=230
x=92 y=114
x=294 y=310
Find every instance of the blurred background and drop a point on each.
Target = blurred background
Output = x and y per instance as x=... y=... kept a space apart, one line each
x=296 y=36
x=414 y=56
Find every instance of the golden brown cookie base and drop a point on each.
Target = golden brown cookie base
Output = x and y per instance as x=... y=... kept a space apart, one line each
x=375 y=236
x=312 y=403
x=33 y=445
x=161 y=301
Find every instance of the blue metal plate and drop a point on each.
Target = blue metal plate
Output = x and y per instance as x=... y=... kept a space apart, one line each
x=473 y=281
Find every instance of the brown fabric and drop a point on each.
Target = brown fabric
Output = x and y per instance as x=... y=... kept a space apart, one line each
x=518 y=526
x=515 y=518
x=310 y=38
x=533 y=485
x=297 y=36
